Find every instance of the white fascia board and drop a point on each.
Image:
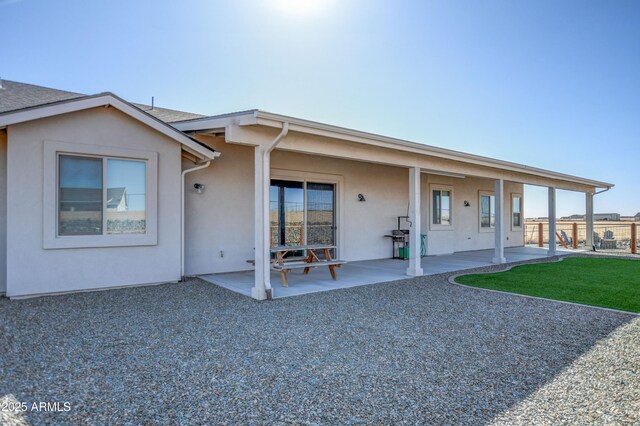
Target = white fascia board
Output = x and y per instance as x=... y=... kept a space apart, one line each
x=264 y=118
x=320 y=129
x=217 y=122
x=89 y=102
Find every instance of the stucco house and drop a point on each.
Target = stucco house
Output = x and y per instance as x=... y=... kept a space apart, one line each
x=89 y=183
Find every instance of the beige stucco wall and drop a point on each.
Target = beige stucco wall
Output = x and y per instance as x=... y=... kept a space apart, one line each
x=3 y=211
x=221 y=218
x=32 y=269
x=465 y=233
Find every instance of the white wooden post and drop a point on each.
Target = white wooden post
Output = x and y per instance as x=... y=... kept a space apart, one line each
x=499 y=229
x=589 y=220
x=415 y=237
x=261 y=224
x=552 y=222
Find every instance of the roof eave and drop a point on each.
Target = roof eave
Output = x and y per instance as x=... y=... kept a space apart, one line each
x=265 y=118
x=295 y=124
x=107 y=99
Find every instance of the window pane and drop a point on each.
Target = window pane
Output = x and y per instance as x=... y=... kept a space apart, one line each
x=274 y=193
x=445 y=211
x=492 y=211
x=80 y=195
x=320 y=213
x=126 y=197
x=436 y=207
x=517 y=220
x=485 y=211
x=293 y=215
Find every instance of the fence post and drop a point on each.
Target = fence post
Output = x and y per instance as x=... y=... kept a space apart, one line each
x=634 y=239
x=540 y=235
x=575 y=235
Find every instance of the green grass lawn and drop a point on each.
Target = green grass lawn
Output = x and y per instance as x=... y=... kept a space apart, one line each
x=609 y=283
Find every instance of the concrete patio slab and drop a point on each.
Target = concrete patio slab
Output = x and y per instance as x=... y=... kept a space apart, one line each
x=366 y=272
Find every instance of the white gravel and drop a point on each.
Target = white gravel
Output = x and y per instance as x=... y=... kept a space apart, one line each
x=601 y=387
x=416 y=351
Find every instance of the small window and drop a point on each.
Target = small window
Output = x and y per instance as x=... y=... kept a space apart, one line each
x=441 y=207
x=487 y=211
x=516 y=211
x=92 y=202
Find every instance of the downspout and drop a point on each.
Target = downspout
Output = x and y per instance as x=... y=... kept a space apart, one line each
x=266 y=167
x=184 y=173
x=593 y=246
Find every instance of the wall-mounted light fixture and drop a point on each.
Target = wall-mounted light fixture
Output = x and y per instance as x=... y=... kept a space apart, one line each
x=199 y=187
x=466 y=203
x=361 y=198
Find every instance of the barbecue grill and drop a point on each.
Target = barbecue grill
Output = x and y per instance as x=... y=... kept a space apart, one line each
x=400 y=239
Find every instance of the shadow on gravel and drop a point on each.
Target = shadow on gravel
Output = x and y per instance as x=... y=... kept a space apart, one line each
x=415 y=351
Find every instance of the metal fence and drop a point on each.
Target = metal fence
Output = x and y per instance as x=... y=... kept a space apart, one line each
x=620 y=237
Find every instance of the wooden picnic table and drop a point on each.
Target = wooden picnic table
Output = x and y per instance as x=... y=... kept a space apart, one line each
x=310 y=260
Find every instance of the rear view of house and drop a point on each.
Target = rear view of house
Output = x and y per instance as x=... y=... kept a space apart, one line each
x=103 y=193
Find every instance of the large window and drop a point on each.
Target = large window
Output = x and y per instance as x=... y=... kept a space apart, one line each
x=93 y=202
x=487 y=211
x=516 y=211
x=441 y=203
x=99 y=196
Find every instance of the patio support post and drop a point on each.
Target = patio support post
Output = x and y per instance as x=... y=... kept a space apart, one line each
x=261 y=225
x=589 y=221
x=499 y=227
x=552 y=221
x=415 y=236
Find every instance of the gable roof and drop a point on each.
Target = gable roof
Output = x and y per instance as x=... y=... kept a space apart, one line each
x=84 y=199
x=15 y=95
x=81 y=199
x=32 y=109
x=114 y=196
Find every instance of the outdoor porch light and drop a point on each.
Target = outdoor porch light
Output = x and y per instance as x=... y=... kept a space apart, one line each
x=199 y=187
x=361 y=198
x=466 y=203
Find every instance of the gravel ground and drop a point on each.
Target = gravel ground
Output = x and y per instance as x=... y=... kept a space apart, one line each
x=414 y=351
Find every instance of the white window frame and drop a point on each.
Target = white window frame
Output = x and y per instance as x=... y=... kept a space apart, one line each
x=51 y=239
x=514 y=195
x=480 y=228
x=436 y=226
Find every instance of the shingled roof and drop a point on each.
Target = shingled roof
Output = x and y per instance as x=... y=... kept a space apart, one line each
x=15 y=96
x=168 y=115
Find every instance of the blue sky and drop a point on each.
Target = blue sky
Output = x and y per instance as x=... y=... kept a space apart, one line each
x=553 y=84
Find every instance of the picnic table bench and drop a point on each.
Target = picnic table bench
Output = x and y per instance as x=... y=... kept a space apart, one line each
x=310 y=260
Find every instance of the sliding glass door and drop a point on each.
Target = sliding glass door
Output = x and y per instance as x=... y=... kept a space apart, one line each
x=302 y=213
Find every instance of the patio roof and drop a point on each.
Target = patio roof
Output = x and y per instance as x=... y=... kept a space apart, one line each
x=226 y=122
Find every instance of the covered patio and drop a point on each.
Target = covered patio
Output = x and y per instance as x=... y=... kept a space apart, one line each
x=307 y=183
x=367 y=272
